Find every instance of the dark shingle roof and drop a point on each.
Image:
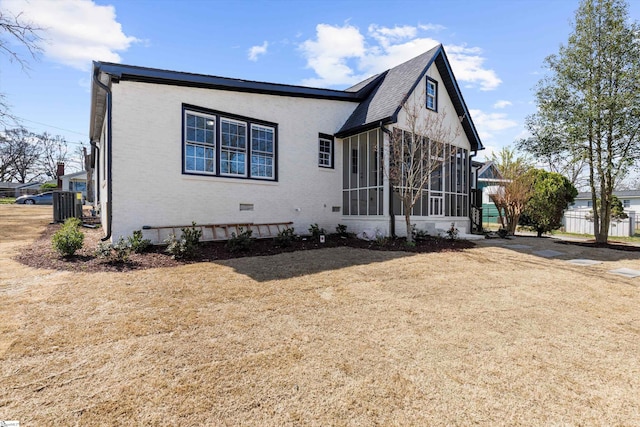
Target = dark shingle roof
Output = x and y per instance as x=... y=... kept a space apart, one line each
x=380 y=97
x=395 y=85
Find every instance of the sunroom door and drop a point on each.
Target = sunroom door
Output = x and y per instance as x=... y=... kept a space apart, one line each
x=436 y=195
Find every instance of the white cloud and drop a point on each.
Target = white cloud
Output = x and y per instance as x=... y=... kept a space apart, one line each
x=75 y=31
x=343 y=55
x=502 y=104
x=328 y=54
x=432 y=27
x=256 y=51
x=466 y=63
x=488 y=124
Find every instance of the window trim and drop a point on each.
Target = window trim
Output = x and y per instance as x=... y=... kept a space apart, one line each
x=218 y=116
x=327 y=138
x=435 y=95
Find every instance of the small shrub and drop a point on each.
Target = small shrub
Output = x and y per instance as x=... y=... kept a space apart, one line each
x=382 y=240
x=187 y=245
x=285 y=238
x=316 y=231
x=419 y=235
x=452 y=232
x=503 y=233
x=341 y=229
x=241 y=242
x=122 y=250
x=69 y=238
x=103 y=250
x=137 y=243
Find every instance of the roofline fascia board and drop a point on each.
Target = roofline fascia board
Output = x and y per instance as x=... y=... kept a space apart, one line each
x=364 y=128
x=179 y=78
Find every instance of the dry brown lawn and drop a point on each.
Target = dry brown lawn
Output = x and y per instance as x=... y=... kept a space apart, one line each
x=487 y=336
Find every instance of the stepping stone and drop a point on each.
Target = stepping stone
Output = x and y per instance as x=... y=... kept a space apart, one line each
x=517 y=246
x=626 y=272
x=581 y=261
x=548 y=253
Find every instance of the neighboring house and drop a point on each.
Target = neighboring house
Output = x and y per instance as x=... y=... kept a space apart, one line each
x=8 y=189
x=489 y=180
x=30 y=188
x=76 y=181
x=171 y=147
x=630 y=200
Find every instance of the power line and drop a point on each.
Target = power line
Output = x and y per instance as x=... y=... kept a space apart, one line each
x=52 y=126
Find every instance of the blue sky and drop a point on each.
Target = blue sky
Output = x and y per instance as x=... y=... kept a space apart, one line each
x=496 y=47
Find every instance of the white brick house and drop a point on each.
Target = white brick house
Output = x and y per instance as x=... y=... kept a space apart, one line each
x=170 y=148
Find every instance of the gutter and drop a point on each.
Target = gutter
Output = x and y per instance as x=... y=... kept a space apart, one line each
x=392 y=216
x=107 y=90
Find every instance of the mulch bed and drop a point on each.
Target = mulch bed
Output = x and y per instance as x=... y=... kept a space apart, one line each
x=41 y=255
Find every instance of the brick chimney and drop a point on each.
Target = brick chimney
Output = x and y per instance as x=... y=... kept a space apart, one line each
x=59 y=173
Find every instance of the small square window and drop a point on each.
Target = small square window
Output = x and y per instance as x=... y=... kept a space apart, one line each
x=626 y=203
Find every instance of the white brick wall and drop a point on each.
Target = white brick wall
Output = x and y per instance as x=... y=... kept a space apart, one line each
x=150 y=189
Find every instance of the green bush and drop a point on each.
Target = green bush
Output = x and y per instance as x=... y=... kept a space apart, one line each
x=419 y=235
x=316 y=231
x=121 y=249
x=452 y=232
x=341 y=229
x=103 y=250
x=69 y=238
x=48 y=187
x=137 y=243
x=285 y=238
x=241 y=242
x=187 y=245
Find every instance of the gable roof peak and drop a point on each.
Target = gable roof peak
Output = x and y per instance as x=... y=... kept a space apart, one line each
x=385 y=100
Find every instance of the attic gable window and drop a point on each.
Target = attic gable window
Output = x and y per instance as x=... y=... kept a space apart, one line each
x=432 y=94
x=226 y=145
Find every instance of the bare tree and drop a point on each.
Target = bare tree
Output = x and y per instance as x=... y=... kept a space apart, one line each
x=7 y=158
x=514 y=193
x=53 y=151
x=24 y=154
x=417 y=150
x=14 y=29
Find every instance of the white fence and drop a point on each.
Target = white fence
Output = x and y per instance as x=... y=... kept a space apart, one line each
x=580 y=221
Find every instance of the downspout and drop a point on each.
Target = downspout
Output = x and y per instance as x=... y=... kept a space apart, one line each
x=392 y=216
x=96 y=195
x=107 y=90
x=475 y=179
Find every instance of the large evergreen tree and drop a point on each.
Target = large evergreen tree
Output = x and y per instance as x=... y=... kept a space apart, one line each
x=592 y=97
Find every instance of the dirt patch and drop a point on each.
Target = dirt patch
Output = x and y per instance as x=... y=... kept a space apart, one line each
x=40 y=253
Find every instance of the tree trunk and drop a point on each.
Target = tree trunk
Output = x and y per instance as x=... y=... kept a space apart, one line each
x=407 y=220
